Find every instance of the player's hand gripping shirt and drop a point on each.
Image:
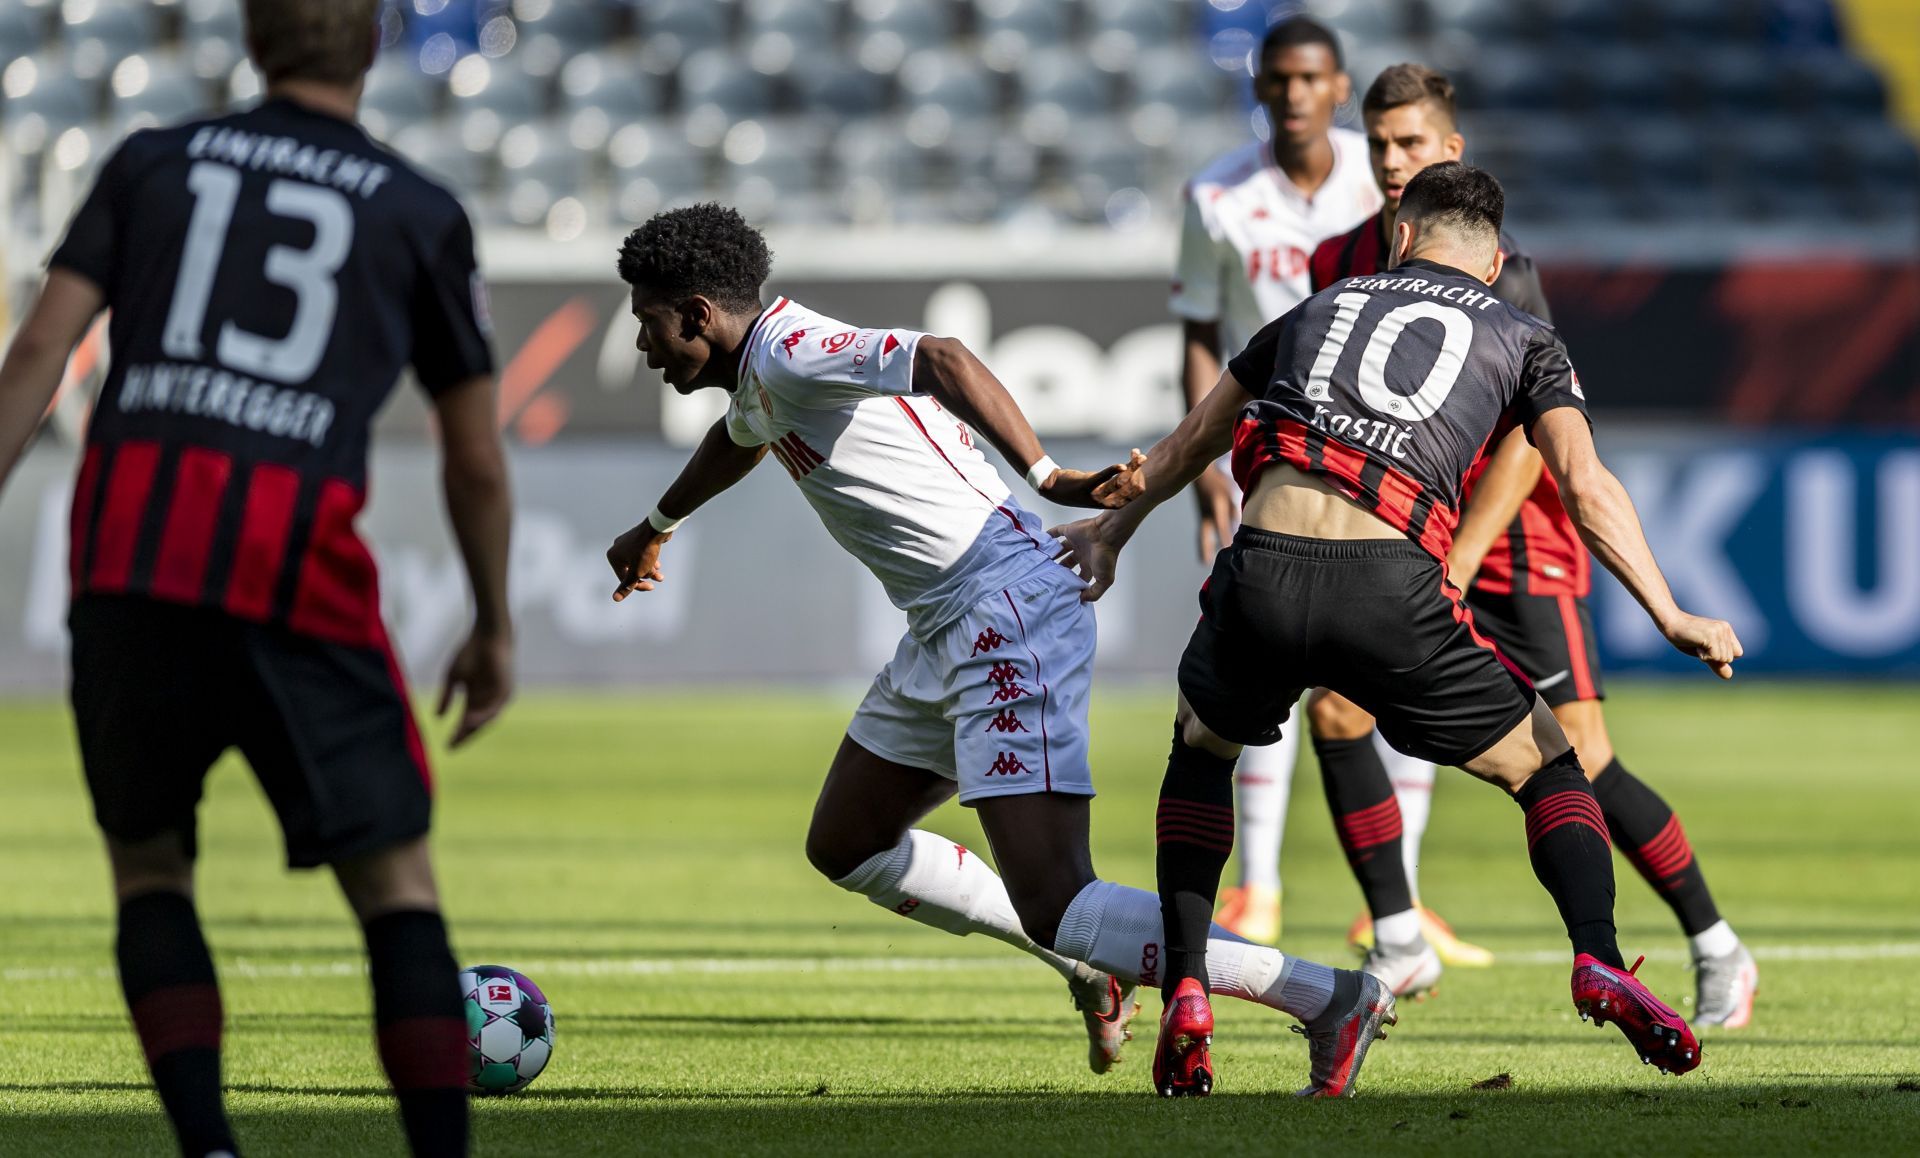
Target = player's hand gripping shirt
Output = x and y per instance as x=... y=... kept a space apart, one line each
x=1390 y=387
x=1248 y=231
x=896 y=479
x=1541 y=553
x=269 y=275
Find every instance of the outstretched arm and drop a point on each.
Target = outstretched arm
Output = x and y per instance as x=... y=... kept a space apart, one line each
x=1497 y=498
x=1092 y=546
x=1600 y=508
x=946 y=370
x=717 y=464
x=37 y=359
x=1203 y=435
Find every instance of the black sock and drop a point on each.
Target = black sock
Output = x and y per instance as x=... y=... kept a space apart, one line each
x=1194 y=835
x=1567 y=843
x=1367 y=818
x=1650 y=834
x=174 y=997
x=422 y=1035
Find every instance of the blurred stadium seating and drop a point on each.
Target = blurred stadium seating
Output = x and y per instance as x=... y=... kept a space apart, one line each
x=566 y=115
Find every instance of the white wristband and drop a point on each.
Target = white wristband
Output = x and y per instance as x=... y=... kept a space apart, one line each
x=660 y=522
x=1040 y=472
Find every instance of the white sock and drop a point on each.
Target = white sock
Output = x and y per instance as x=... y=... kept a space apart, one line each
x=1262 y=782
x=1413 y=788
x=1402 y=928
x=1716 y=940
x=1117 y=929
x=930 y=879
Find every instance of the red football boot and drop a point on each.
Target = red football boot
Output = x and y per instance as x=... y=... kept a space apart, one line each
x=1661 y=1036
x=1182 y=1066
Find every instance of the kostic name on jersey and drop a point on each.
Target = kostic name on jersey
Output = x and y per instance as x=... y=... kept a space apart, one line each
x=1373 y=433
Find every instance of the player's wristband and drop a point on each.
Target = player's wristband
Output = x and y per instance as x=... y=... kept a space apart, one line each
x=1040 y=472
x=659 y=521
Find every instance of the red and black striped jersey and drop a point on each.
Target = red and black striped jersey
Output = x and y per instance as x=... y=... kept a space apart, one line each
x=1390 y=387
x=270 y=274
x=1541 y=553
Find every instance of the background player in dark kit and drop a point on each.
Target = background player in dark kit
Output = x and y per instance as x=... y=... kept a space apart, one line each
x=270 y=274
x=1527 y=577
x=1368 y=405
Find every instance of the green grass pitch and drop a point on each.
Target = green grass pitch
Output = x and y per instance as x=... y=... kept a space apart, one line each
x=640 y=856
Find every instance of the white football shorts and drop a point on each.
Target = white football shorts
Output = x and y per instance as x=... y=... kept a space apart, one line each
x=997 y=700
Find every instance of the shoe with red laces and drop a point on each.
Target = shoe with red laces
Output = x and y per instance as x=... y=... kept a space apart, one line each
x=1661 y=1036
x=1338 y=1039
x=1182 y=1065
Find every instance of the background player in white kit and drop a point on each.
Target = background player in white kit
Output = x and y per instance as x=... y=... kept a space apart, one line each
x=1252 y=219
x=987 y=695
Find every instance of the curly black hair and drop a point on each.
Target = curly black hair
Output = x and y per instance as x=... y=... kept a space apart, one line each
x=706 y=249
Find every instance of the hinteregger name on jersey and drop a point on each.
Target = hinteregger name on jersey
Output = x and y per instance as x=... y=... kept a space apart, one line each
x=234 y=399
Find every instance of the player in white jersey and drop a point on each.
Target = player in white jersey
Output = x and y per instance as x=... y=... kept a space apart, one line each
x=1252 y=219
x=987 y=695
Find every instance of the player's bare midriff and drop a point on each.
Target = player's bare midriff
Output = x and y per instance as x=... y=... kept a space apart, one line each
x=1289 y=501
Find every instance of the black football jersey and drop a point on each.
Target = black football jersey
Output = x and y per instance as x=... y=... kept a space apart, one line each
x=1360 y=251
x=1390 y=386
x=270 y=274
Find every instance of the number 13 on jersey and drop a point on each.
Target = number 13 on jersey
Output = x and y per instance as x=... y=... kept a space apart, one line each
x=308 y=272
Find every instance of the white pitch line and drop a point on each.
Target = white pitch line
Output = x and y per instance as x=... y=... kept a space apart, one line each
x=710 y=966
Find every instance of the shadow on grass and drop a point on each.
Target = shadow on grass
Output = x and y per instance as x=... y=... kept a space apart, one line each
x=1871 y=1115
x=871 y=1027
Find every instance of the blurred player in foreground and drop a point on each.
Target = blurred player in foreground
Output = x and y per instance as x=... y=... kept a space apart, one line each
x=987 y=695
x=1251 y=219
x=1527 y=576
x=269 y=274
x=1353 y=421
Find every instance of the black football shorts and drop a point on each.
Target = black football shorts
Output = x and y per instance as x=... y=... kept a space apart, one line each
x=161 y=691
x=1374 y=620
x=1548 y=637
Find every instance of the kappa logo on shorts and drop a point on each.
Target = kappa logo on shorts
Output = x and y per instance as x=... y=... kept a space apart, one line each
x=960 y=855
x=988 y=640
x=1003 y=677
x=1008 y=764
x=1006 y=721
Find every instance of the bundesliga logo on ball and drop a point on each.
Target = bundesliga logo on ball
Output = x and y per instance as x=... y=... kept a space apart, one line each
x=509 y=1029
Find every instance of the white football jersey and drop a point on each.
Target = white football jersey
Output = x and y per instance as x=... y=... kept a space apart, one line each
x=896 y=478
x=1248 y=231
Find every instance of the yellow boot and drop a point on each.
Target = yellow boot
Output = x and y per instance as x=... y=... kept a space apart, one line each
x=1453 y=951
x=1252 y=912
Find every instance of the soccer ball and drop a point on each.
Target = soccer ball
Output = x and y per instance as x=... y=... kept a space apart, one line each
x=509 y=1029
